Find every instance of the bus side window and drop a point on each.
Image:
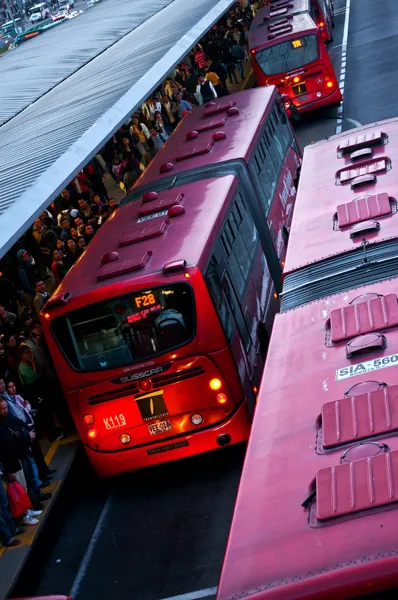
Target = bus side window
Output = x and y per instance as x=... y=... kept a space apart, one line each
x=230 y=293
x=217 y=295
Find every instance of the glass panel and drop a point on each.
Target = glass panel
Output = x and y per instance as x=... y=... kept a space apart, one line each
x=249 y=235
x=129 y=328
x=219 y=300
x=289 y=55
x=242 y=257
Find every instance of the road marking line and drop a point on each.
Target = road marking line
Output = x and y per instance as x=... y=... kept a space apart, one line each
x=194 y=595
x=354 y=122
x=246 y=80
x=81 y=574
x=340 y=110
x=51 y=451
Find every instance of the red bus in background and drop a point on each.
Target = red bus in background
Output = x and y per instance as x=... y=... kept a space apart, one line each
x=291 y=54
x=316 y=511
x=321 y=11
x=160 y=330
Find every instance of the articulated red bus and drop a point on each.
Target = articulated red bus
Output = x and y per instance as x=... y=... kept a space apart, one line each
x=316 y=514
x=160 y=330
x=321 y=12
x=290 y=53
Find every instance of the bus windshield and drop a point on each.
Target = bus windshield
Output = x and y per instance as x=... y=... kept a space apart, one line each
x=288 y=55
x=122 y=330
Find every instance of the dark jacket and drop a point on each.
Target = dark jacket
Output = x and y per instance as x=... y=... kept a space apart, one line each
x=9 y=454
x=19 y=432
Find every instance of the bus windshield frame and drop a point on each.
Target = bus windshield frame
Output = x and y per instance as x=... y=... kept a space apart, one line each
x=286 y=50
x=131 y=333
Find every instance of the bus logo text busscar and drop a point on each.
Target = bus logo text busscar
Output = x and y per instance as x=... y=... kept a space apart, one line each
x=367 y=367
x=141 y=375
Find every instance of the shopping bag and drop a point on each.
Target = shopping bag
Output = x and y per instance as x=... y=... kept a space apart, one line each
x=18 y=499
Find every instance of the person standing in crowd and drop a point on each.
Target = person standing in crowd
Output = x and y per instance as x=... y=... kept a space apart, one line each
x=58 y=267
x=215 y=80
x=28 y=274
x=182 y=105
x=206 y=89
x=170 y=111
x=71 y=255
x=200 y=58
x=8 y=529
x=238 y=54
x=82 y=184
x=65 y=224
x=190 y=84
x=41 y=296
x=81 y=245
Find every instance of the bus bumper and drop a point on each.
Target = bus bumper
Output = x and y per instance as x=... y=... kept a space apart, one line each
x=234 y=430
x=333 y=99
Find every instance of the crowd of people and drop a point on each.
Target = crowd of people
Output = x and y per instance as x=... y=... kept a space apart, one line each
x=30 y=397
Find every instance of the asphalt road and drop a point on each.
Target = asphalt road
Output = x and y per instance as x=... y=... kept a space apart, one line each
x=161 y=532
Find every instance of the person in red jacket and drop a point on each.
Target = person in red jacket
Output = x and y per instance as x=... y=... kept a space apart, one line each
x=200 y=58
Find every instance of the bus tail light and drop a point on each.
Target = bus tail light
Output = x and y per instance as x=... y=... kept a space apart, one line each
x=329 y=84
x=222 y=398
x=125 y=438
x=197 y=419
x=88 y=419
x=215 y=384
x=92 y=433
x=321 y=24
x=296 y=79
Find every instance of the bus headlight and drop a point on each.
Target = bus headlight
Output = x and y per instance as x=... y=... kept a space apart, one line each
x=197 y=419
x=125 y=438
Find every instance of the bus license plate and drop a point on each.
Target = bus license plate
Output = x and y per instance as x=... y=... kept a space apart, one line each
x=160 y=427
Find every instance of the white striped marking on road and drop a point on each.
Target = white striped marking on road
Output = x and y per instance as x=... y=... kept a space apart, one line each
x=81 y=574
x=194 y=595
x=339 y=125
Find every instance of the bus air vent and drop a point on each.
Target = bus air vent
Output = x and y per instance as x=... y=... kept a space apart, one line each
x=161 y=380
x=159 y=205
x=216 y=107
x=278 y=24
x=166 y=167
x=176 y=210
x=363 y=180
x=349 y=145
x=133 y=263
x=369 y=342
x=375 y=314
x=360 y=417
x=358 y=485
x=112 y=395
x=191 y=135
x=368 y=168
x=109 y=257
x=146 y=233
x=361 y=154
x=360 y=209
x=213 y=124
x=195 y=150
x=363 y=228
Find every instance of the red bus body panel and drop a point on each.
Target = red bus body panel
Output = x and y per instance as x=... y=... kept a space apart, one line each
x=277 y=549
x=320 y=233
x=316 y=511
x=315 y=75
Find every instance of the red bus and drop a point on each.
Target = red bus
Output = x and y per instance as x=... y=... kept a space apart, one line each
x=291 y=54
x=321 y=11
x=316 y=511
x=160 y=329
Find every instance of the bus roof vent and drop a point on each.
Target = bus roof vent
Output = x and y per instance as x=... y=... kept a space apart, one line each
x=360 y=209
x=213 y=124
x=109 y=257
x=365 y=343
x=359 y=417
x=191 y=135
x=370 y=167
x=278 y=24
x=176 y=210
x=146 y=233
x=160 y=205
x=195 y=150
x=212 y=108
x=363 y=180
x=358 y=485
x=351 y=144
x=375 y=314
x=281 y=31
x=133 y=263
x=149 y=196
x=361 y=154
x=231 y=112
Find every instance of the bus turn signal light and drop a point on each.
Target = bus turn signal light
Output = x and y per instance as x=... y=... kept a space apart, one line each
x=215 y=384
x=88 y=419
x=321 y=24
x=329 y=84
x=92 y=433
x=46 y=315
x=222 y=398
x=296 y=79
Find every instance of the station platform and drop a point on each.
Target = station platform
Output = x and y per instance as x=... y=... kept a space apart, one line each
x=60 y=456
